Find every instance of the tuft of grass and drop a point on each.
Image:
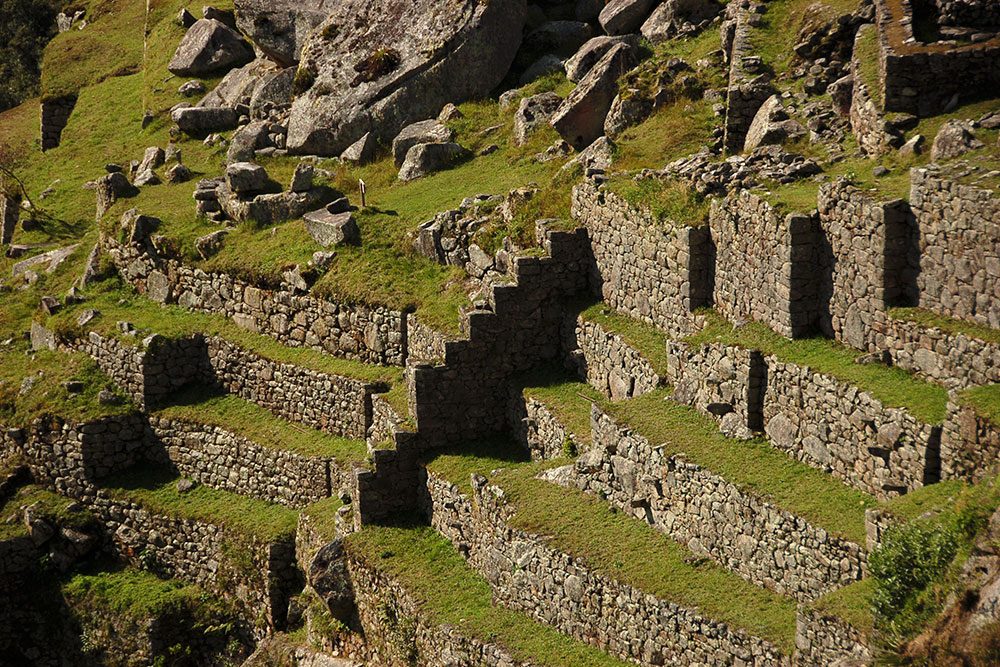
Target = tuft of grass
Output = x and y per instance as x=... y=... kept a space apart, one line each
x=893 y=386
x=619 y=546
x=199 y=405
x=451 y=593
x=649 y=341
x=156 y=489
x=754 y=466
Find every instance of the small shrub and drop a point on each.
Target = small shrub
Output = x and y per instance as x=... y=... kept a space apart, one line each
x=569 y=448
x=377 y=65
x=303 y=81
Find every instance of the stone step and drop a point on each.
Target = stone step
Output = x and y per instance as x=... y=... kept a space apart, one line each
x=420 y=603
x=563 y=556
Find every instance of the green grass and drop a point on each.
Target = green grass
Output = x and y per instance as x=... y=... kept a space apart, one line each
x=568 y=400
x=133 y=594
x=669 y=202
x=156 y=490
x=949 y=325
x=925 y=500
x=893 y=386
x=62 y=511
x=323 y=514
x=198 y=405
x=618 y=546
x=851 y=603
x=174 y=322
x=450 y=593
x=773 y=41
x=866 y=54
x=645 y=338
x=985 y=400
x=672 y=132
x=753 y=466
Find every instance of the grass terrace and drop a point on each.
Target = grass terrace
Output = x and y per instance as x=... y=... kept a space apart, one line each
x=60 y=510
x=568 y=400
x=200 y=405
x=925 y=500
x=323 y=514
x=134 y=594
x=171 y=321
x=649 y=341
x=619 y=546
x=949 y=325
x=671 y=203
x=893 y=386
x=156 y=490
x=452 y=594
x=985 y=400
x=754 y=466
x=851 y=603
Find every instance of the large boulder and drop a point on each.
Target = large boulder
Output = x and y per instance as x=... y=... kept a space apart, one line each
x=209 y=47
x=590 y=53
x=620 y=17
x=771 y=126
x=534 y=112
x=378 y=65
x=248 y=140
x=671 y=16
x=424 y=132
x=246 y=177
x=953 y=139
x=424 y=159
x=332 y=229
x=580 y=119
x=203 y=120
x=280 y=28
x=274 y=91
x=239 y=85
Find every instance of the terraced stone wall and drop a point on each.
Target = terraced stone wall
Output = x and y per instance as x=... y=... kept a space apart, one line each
x=563 y=592
x=55 y=115
x=868 y=124
x=384 y=424
x=953 y=360
x=748 y=89
x=970 y=444
x=371 y=334
x=762 y=543
x=398 y=631
x=766 y=264
x=18 y=555
x=921 y=79
x=221 y=459
x=607 y=362
x=424 y=344
x=959 y=246
x=654 y=272
x=873 y=248
x=534 y=425
x=822 y=639
x=969 y=13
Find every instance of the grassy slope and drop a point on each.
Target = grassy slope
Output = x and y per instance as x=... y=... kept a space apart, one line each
x=568 y=400
x=451 y=593
x=200 y=406
x=589 y=529
x=893 y=386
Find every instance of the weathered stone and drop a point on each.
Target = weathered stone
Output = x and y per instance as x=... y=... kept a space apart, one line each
x=955 y=138
x=147 y=177
x=280 y=28
x=210 y=244
x=425 y=132
x=346 y=90
x=329 y=229
x=361 y=152
x=771 y=125
x=248 y=140
x=178 y=173
x=671 y=16
x=424 y=159
x=580 y=118
x=534 y=112
x=209 y=47
x=548 y=64
x=302 y=179
x=591 y=53
x=137 y=228
x=110 y=188
x=274 y=91
x=621 y=17
x=199 y=121
x=246 y=177
x=10 y=212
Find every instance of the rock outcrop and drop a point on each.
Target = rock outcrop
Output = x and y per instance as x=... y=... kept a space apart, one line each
x=280 y=28
x=377 y=66
x=209 y=47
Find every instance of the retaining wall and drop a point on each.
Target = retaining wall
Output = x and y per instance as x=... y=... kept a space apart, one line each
x=822 y=639
x=655 y=272
x=970 y=444
x=607 y=362
x=747 y=91
x=55 y=115
x=541 y=432
x=528 y=575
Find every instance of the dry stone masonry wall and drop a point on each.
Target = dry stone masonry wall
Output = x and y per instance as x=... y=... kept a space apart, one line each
x=534 y=424
x=823 y=639
x=970 y=444
x=530 y=576
x=608 y=363
x=653 y=272
x=748 y=87
x=55 y=115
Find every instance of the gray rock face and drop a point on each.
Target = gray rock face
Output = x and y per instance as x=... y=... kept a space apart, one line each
x=280 y=28
x=424 y=159
x=547 y=64
x=274 y=91
x=202 y=120
x=771 y=126
x=110 y=188
x=368 y=68
x=534 y=112
x=953 y=139
x=667 y=20
x=209 y=47
x=332 y=229
x=238 y=86
x=247 y=140
x=620 y=17
x=580 y=119
x=590 y=53
x=246 y=177
x=425 y=132
x=361 y=152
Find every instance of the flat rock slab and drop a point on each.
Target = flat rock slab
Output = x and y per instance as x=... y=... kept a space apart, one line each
x=53 y=258
x=332 y=229
x=203 y=120
x=379 y=65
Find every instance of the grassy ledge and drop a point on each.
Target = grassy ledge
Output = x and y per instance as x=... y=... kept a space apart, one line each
x=451 y=593
x=985 y=400
x=156 y=490
x=621 y=547
x=323 y=514
x=62 y=511
x=200 y=405
x=134 y=594
x=754 y=466
x=851 y=603
x=949 y=325
x=646 y=339
x=568 y=400
x=893 y=386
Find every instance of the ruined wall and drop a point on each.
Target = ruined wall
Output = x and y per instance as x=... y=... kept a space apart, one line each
x=55 y=115
x=372 y=334
x=762 y=543
x=874 y=266
x=607 y=362
x=400 y=633
x=654 y=272
x=766 y=264
x=868 y=123
x=835 y=427
x=969 y=13
x=563 y=592
x=959 y=246
x=748 y=87
x=970 y=444
x=922 y=78
x=221 y=459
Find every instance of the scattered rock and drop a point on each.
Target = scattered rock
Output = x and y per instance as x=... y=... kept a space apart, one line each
x=209 y=47
x=771 y=126
x=178 y=173
x=248 y=140
x=954 y=139
x=136 y=227
x=533 y=113
x=50 y=305
x=147 y=177
x=423 y=132
x=672 y=18
x=192 y=89
x=246 y=178
x=449 y=113
x=591 y=53
x=621 y=17
x=424 y=159
x=547 y=64
x=332 y=229
x=322 y=259
x=184 y=485
x=595 y=158
x=86 y=317
x=361 y=152
x=185 y=19
x=210 y=244
x=880 y=171
x=110 y=188
x=199 y=121
x=106 y=397
x=302 y=179
x=842 y=93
